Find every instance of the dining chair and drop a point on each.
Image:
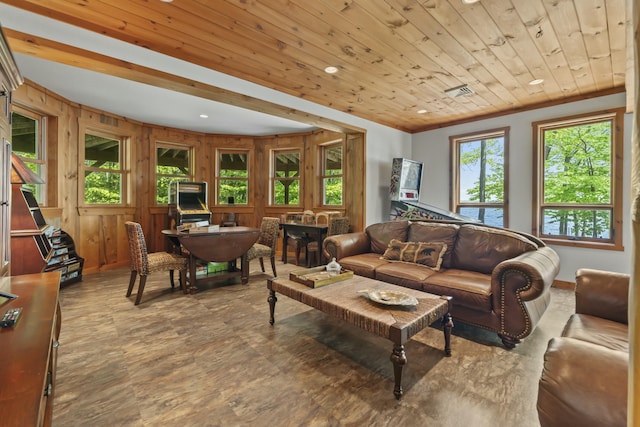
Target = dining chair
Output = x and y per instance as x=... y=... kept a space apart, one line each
x=144 y=263
x=266 y=244
x=297 y=242
x=337 y=225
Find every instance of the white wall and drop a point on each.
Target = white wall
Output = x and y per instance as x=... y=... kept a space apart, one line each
x=432 y=148
x=382 y=146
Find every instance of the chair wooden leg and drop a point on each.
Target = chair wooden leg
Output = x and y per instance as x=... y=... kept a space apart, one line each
x=143 y=281
x=183 y=280
x=297 y=254
x=262 y=264
x=273 y=265
x=173 y=285
x=132 y=281
x=307 y=259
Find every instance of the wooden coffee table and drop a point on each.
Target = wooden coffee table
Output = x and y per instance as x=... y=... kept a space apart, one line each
x=396 y=323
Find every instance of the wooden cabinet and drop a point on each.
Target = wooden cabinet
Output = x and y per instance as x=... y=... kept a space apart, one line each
x=10 y=79
x=30 y=245
x=37 y=246
x=5 y=213
x=64 y=258
x=28 y=350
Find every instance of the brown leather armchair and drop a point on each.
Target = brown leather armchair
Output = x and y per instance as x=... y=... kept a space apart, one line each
x=584 y=378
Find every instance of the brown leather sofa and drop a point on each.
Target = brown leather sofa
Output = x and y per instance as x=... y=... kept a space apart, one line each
x=499 y=279
x=584 y=378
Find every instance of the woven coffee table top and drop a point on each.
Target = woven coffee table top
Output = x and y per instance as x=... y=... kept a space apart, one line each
x=343 y=300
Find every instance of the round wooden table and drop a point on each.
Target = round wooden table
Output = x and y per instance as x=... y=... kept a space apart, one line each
x=224 y=245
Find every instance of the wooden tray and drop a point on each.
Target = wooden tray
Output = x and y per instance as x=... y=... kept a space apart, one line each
x=318 y=276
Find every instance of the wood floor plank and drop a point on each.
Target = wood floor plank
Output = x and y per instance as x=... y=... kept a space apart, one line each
x=213 y=359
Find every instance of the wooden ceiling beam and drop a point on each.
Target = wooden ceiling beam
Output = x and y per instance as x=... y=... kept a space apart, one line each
x=64 y=54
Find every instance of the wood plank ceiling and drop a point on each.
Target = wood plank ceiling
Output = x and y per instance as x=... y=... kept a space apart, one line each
x=394 y=57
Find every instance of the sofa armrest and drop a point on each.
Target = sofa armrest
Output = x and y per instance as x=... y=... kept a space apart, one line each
x=539 y=268
x=602 y=294
x=344 y=245
x=520 y=290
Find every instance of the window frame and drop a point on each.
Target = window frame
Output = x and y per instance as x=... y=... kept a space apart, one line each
x=218 y=153
x=40 y=190
x=454 y=197
x=274 y=179
x=172 y=146
x=124 y=170
x=324 y=148
x=616 y=116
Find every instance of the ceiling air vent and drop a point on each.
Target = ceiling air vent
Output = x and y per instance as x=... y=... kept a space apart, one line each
x=457 y=91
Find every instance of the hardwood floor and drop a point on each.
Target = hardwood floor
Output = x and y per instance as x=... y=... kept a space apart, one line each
x=212 y=359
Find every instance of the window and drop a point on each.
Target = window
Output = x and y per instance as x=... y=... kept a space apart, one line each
x=331 y=174
x=285 y=178
x=104 y=169
x=479 y=169
x=27 y=132
x=173 y=163
x=578 y=180
x=233 y=177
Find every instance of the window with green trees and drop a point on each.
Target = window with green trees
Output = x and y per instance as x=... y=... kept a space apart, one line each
x=173 y=163
x=233 y=177
x=103 y=169
x=578 y=182
x=28 y=143
x=331 y=174
x=479 y=168
x=285 y=179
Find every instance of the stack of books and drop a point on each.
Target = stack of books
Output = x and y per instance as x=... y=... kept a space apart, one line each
x=198 y=227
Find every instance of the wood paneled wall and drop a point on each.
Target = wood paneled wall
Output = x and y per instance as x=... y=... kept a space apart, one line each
x=99 y=232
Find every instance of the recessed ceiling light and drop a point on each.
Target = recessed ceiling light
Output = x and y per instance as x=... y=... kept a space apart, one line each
x=421 y=111
x=331 y=69
x=204 y=116
x=470 y=1
x=536 y=82
x=166 y=1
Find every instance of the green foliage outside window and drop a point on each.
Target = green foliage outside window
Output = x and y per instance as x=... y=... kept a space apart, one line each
x=286 y=182
x=172 y=164
x=232 y=188
x=234 y=178
x=481 y=177
x=332 y=175
x=26 y=143
x=333 y=191
x=103 y=174
x=102 y=188
x=577 y=171
x=287 y=192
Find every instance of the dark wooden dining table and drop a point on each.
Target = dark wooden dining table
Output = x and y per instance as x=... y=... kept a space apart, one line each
x=224 y=245
x=316 y=232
